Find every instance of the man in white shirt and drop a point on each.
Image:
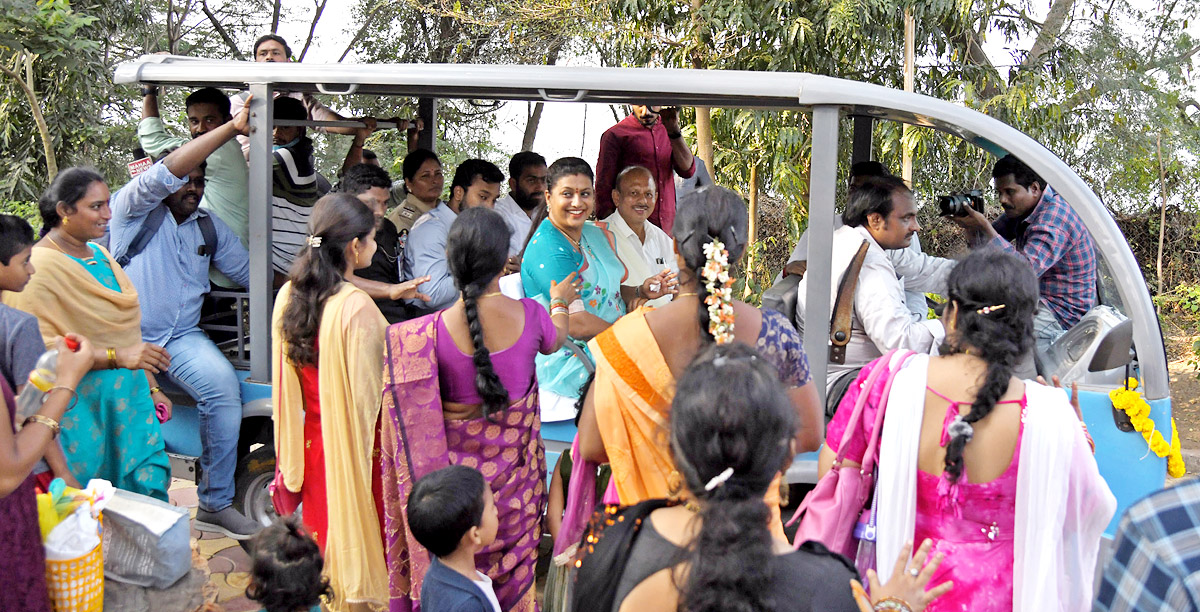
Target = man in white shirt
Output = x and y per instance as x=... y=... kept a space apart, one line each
x=526 y=192
x=882 y=213
x=798 y=261
x=645 y=249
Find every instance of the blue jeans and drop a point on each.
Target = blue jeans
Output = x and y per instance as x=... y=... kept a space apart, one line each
x=200 y=369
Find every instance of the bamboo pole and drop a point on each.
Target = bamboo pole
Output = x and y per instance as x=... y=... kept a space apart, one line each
x=910 y=61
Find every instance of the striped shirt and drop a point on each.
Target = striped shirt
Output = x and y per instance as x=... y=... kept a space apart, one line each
x=293 y=193
x=1055 y=242
x=1156 y=555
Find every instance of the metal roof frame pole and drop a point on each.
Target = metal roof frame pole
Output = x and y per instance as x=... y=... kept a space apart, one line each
x=262 y=110
x=863 y=126
x=822 y=185
x=427 y=111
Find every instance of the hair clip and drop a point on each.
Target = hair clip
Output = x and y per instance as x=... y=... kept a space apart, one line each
x=986 y=310
x=719 y=479
x=313 y=241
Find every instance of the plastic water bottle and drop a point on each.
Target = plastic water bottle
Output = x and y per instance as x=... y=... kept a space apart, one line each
x=41 y=381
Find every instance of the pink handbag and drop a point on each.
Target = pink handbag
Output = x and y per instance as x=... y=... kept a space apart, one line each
x=830 y=511
x=285 y=501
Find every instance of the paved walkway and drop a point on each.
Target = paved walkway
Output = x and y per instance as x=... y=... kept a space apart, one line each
x=228 y=564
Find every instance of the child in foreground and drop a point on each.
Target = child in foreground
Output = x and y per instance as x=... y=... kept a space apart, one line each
x=452 y=514
x=286 y=575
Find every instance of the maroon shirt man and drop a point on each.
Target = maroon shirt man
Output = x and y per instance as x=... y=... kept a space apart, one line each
x=642 y=140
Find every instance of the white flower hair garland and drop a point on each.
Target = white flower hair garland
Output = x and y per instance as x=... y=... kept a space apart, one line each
x=719 y=285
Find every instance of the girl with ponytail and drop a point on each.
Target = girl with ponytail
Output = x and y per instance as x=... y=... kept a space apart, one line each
x=732 y=433
x=460 y=388
x=995 y=470
x=327 y=343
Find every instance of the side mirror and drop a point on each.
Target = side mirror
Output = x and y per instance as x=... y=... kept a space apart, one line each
x=1115 y=350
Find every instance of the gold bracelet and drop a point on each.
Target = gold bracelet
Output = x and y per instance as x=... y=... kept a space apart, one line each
x=44 y=420
x=154 y=390
x=112 y=357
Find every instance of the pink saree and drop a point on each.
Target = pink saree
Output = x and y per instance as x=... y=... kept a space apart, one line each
x=416 y=439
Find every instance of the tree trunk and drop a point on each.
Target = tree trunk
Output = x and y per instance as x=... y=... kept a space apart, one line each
x=704 y=132
x=36 y=110
x=752 y=230
x=222 y=32
x=531 y=127
x=312 y=28
x=532 y=119
x=1162 y=220
x=1051 y=28
x=275 y=17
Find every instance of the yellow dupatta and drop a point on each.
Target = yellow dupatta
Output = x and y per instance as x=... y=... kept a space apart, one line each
x=65 y=297
x=633 y=390
x=350 y=370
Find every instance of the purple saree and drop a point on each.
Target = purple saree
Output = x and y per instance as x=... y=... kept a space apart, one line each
x=416 y=439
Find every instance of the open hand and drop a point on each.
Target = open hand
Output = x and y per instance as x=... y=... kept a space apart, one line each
x=908 y=581
x=144 y=356
x=408 y=290
x=513 y=265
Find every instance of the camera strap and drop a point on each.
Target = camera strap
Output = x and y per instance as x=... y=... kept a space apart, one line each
x=843 y=307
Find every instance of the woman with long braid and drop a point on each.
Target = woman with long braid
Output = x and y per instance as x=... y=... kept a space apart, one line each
x=625 y=415
x=460 y=388
x=995 y=470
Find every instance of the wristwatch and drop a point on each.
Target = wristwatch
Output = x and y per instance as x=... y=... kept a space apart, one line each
x=149 y=90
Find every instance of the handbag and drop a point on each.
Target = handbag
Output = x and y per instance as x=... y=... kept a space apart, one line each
x=833 y=508
x=284 y=501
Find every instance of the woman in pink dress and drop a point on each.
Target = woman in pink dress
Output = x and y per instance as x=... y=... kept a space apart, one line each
x=996 y=471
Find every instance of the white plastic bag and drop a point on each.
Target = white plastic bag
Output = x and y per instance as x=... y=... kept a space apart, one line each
x=79 y=533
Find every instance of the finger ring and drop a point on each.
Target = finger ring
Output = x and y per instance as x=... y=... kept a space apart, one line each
x=914 y=572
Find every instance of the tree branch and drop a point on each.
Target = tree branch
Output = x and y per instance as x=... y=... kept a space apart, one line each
x=367 y=24
x=222 y=32
x=275 y=16
x=1051 y=29
x=312 y=28
x=36 y=109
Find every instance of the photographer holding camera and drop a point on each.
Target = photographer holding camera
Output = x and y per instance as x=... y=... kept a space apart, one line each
x=1040 y=227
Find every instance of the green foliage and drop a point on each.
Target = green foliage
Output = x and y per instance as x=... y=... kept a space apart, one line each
x=26 y=210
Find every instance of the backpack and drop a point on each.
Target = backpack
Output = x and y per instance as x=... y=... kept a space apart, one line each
x=150 y=227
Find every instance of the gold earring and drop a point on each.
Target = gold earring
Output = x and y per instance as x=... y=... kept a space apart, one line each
x=66 y=221
x=674 y=484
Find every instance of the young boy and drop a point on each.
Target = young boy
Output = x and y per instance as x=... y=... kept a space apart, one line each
x=451 y=512
x=20 y=341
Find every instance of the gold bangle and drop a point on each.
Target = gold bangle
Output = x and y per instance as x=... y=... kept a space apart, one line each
x=112 y=357
x=44 y=420
x=154 y=390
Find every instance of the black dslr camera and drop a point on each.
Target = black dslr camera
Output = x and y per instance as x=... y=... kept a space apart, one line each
x=955 y=204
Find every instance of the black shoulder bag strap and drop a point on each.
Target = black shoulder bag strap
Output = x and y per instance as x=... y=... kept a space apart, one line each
x=209 y=231
x=149 y=226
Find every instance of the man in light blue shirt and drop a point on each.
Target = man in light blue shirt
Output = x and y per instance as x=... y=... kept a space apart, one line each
x=476 y=183
x=170 y=271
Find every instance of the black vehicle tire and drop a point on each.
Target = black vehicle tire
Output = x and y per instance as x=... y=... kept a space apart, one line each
x=251 y=496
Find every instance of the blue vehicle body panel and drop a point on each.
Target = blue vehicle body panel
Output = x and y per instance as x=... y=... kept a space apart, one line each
x=1124 y=459
x=560 y=432
x=181 y=434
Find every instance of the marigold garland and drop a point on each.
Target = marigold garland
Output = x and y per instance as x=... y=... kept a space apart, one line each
x=1130 y=402
x=719 y=285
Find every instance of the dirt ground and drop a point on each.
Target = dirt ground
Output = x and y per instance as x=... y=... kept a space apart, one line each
x=1180 y=333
